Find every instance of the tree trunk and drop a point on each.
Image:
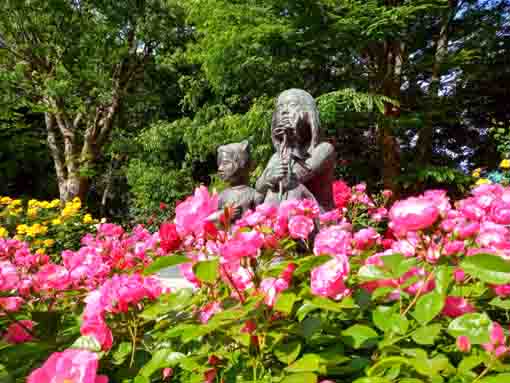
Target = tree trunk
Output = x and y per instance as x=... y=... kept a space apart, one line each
x=424 y=145
x=69 y=155
x=392 y=63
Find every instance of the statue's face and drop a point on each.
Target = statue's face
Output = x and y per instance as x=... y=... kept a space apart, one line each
x=289 y=110
x=292 y=121
x=227 y=166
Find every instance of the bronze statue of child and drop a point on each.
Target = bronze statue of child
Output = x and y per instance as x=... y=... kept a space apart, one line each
x=234 y=168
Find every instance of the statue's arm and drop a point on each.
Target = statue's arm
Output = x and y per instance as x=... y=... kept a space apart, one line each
x=322 y=157
x=263 y=185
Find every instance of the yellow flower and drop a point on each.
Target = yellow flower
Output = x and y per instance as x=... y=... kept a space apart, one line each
x=87 y=218
x=5 y=200
x=33 y=203
x=3 y=232
x=15 y=203
x=476 y=172
x=32 y=212
x=44 y=204
x=40 y=251
x=483 y=181
x=21 y=229
x=54 y=203
x=48 y=242
x=505 y=164
x=76 y=200
x=56 y=222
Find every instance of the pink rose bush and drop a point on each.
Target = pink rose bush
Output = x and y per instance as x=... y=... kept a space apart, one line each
x=70 y=366
x=416 y=290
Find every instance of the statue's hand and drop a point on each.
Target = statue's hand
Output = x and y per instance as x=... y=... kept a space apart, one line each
x=277 y=173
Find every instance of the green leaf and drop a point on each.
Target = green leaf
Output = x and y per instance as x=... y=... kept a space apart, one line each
x=410 y=380
x=427 y=334
x=307 y=363
x=388 y=362
x=387 y=320
x=287 y=352
x=443 y=277
x=380 y=317
x=475 y=326
x=161 y=359
x=392 y=261
x=499 y=378
x=304 y=377
x=310 y=262
x=121 y=353
x=501 y=303
x=470 y=362
x=428 y=367
x=488 y=268
x=304 y=310
x=372 y=273
x=285 y=302
x=405 y=266
x=310 y=326
x=428 y=306
x=87 y=343
x=164 y=262
x=166 y=303
x=358 y=335
x=327 y=304
x=207 y=271
x=374 y=379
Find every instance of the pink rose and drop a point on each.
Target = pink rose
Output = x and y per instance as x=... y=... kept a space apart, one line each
x=170 y=239
x=459 y=275
x=466 y=230
x=470 y=209
x=497 y=335
x=387 y=193
x=300 y=226
x=8 y=276
x=327 y=280
x=17 y=332
x=440 y=199
x=453 y=247
x=208 y=311
x=241 y=277
x=271 y=287
x=365 y=238
x=332 y=240
x=330 y=217
x=502 y=290
x=72 y=365
x=456 y=307
x=244 y=244
x=191 y=215
x=167 y=372
x=413 y=214
x=97 y=328
x=341 y=194
x=11 y=304
x=186 y=270
x=52 y=277
x=463 y=343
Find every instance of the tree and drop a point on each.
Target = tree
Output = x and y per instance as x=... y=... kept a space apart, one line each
x=77 y=62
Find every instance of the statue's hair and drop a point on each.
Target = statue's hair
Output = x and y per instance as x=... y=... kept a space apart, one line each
x=310 y=114
x=240 y=150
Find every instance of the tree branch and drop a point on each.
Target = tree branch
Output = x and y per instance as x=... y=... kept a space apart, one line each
x=54 y=149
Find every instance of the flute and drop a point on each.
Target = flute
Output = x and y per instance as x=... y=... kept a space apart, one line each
x=281 y=152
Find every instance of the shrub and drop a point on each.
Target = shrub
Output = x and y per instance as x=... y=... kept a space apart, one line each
x=49 y=227
x=413 y=292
